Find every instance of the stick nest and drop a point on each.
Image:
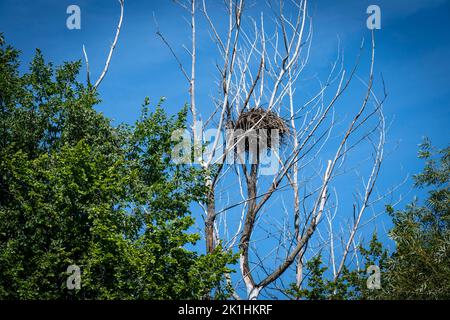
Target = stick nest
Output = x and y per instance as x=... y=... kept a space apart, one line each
x=259 y=118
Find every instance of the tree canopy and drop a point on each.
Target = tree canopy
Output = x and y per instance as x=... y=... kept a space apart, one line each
x=76 y=190
x=420 y=266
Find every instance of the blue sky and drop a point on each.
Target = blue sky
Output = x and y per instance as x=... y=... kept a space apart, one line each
x=413 y=51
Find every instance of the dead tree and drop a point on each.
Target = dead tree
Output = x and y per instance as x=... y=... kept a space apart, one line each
x=260 y=61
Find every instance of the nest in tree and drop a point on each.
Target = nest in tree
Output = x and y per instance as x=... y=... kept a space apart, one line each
x=260 y=123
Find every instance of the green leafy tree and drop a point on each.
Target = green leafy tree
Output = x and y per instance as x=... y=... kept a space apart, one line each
x=76 y=190
x=375 y=255
x=318 y=287
x=420 y=266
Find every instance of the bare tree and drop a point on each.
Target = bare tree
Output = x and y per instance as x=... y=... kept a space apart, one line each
x=259 y=64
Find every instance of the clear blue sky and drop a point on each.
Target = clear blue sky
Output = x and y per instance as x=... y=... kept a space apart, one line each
x=413 y=54
x=413 y=51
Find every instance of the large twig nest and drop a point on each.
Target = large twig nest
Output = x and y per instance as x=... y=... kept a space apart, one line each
x=260 y=122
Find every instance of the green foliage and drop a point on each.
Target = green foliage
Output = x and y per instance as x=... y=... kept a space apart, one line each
x=76 y=190
x=374 y=255
x=318 y=288
x=420 y=266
